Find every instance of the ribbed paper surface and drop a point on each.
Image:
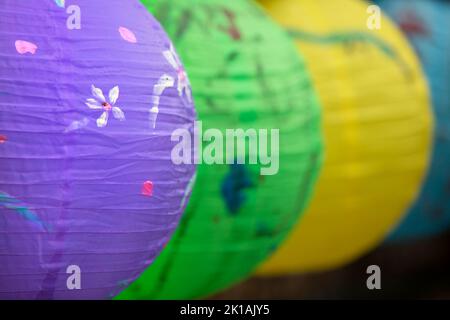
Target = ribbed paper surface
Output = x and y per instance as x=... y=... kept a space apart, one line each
x=85 y=179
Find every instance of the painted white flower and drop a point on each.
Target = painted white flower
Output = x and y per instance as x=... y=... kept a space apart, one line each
x=164 y=82
x=99 y=102
x=183 y=80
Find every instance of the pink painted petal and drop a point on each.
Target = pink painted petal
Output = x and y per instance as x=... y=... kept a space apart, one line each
x=23 y=47
x=93 y=104
x=103 y=120
x=147 y=188
x=127 y=35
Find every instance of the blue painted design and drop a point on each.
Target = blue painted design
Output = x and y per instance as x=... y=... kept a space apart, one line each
x=234 y=186
x=15 y=205
x=427 y=25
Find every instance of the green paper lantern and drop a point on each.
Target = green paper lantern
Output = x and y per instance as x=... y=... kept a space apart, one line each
x=245 y=73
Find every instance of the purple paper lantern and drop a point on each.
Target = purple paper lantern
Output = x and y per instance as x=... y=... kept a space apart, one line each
x=90 y=93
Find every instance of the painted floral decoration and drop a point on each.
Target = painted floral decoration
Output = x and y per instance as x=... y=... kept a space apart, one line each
x=99 y=102
x=183 y=84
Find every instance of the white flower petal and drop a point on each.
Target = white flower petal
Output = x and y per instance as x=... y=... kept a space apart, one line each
x=103 y=120
x=153 y=116
x=93 y=104
x=114 y=95
x=98 y=94
x=93 y=101
x=171 y=59
x=118 y=113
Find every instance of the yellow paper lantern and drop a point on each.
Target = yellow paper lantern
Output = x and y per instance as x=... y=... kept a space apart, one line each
x=378 y=127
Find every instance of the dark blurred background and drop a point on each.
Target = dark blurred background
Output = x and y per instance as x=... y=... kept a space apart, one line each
x=414 y=270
